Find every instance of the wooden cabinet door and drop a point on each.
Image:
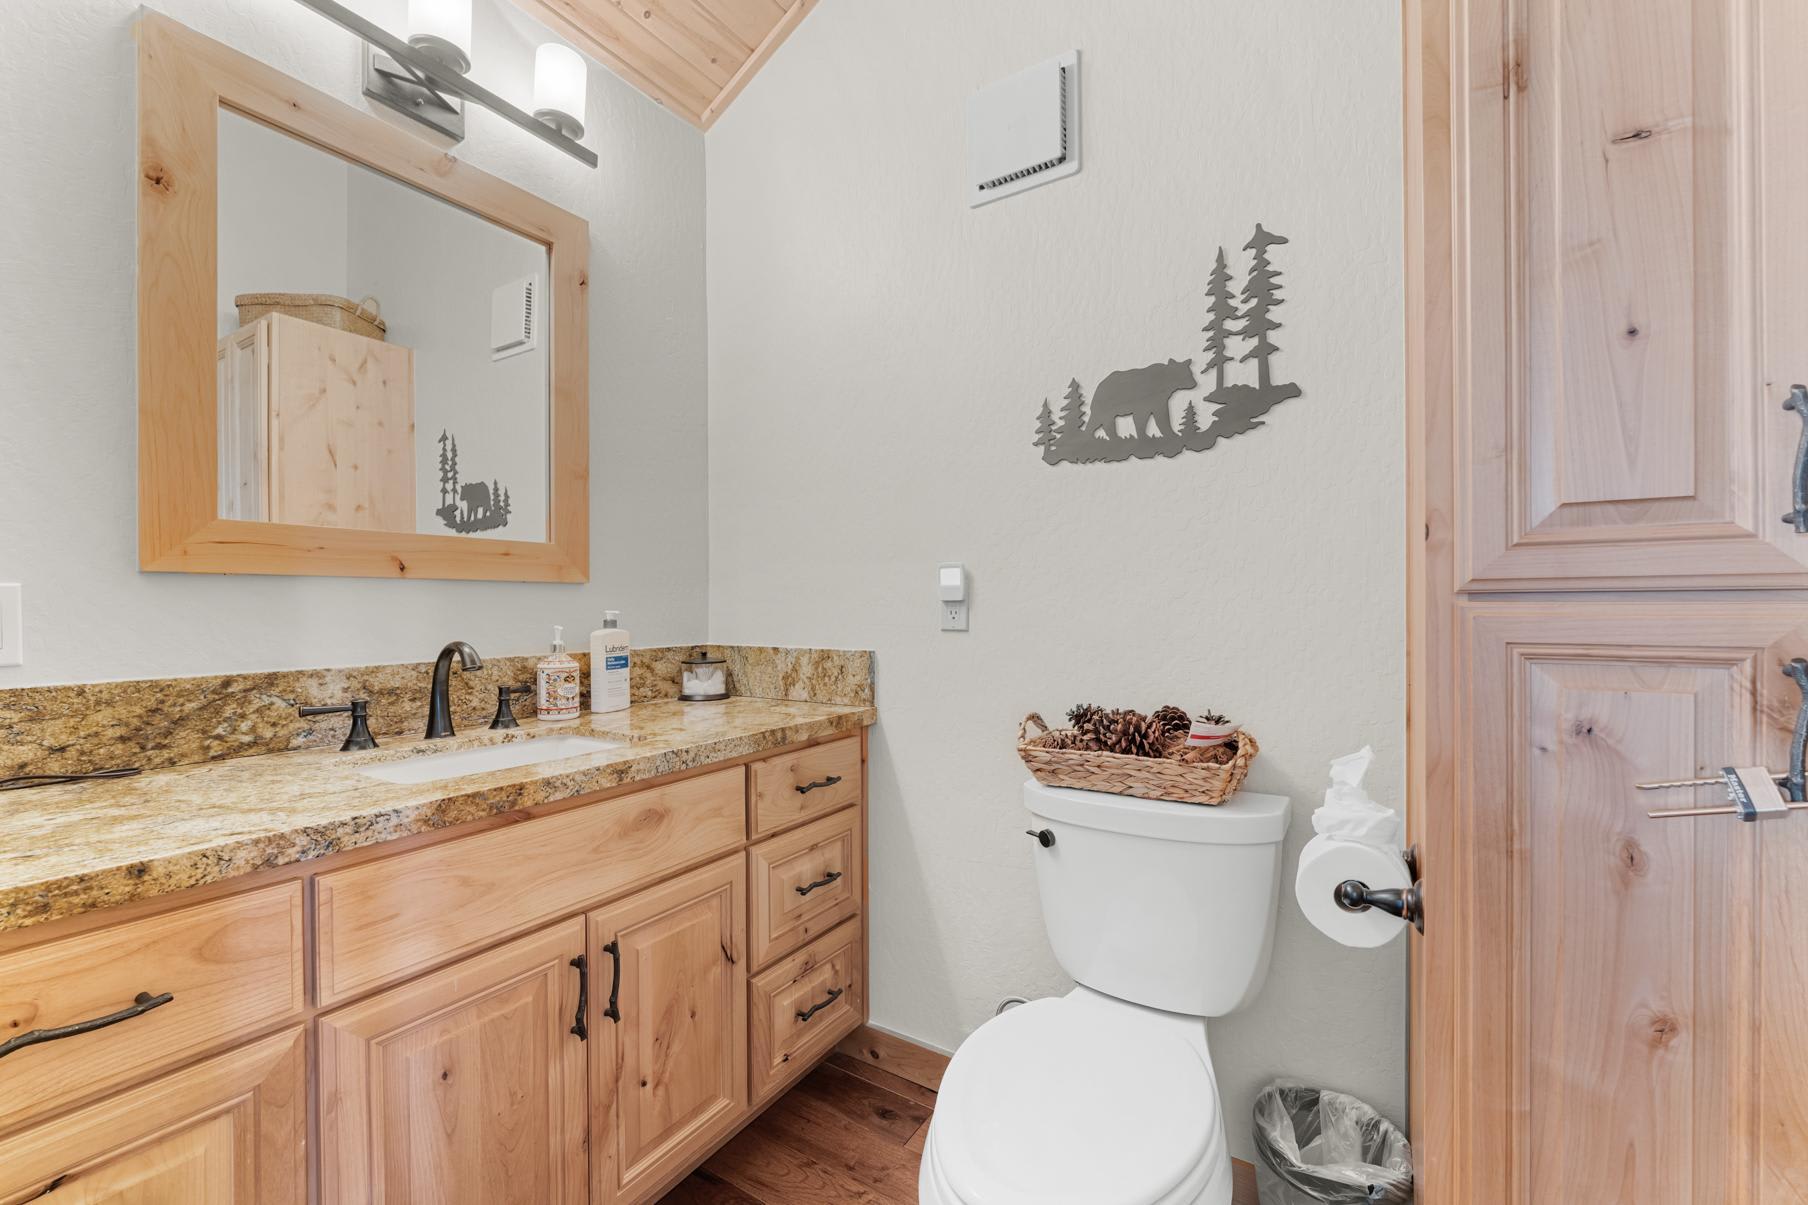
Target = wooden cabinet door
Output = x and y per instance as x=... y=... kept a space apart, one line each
x=1635 y=985
x=231 y=1130
x=1631 y=287
x=669 y=1074
x=463 y=1087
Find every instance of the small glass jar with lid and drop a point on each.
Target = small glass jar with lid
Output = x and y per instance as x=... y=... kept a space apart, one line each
x=705 y=678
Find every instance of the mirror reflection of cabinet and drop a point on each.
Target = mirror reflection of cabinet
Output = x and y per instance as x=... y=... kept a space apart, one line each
x=316 y=427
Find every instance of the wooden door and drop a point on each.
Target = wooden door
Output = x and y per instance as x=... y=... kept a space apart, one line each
x=463 y=1087
x=230 y=1130
x=1604 y=317
x=670 y=1072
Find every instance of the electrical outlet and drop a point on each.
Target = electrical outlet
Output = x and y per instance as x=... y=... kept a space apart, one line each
x=12 y=624
x=954 y=616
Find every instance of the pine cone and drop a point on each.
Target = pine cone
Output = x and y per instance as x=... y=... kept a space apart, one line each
x=1081 y=715
x=1174 y=721
x=1137 y=735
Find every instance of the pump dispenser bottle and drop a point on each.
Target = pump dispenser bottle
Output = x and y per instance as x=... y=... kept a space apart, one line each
x=609 y=665
x=557 y=682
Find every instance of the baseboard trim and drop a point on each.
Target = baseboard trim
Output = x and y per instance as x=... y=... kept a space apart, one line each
x=924 y=1066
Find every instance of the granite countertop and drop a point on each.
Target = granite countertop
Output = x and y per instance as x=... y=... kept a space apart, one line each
x=75 y=848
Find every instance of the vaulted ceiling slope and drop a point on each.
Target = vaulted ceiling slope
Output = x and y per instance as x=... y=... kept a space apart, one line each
x=692 y=56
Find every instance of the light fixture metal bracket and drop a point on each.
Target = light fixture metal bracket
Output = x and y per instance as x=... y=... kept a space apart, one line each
x=391 y=83
x=418 y=71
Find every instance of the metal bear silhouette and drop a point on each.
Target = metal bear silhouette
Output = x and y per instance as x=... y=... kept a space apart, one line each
x=1142 y=394
x=1085 y=433
x=486 y=506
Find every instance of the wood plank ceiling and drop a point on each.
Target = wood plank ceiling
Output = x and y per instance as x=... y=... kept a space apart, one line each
x=692 y=56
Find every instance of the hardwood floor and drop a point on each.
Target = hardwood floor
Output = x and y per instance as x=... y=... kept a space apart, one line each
x=849 y=1133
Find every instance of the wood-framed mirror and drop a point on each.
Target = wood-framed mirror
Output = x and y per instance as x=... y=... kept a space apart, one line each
x=357 y=356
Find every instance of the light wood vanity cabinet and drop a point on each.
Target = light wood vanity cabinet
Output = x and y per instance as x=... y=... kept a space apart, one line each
x=571 y=1007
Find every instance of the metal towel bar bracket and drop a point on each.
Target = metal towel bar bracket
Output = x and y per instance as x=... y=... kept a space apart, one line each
x=1754 y=793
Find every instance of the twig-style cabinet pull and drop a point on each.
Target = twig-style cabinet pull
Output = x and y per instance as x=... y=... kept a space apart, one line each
x=1798 y=518
x=804 y=1014
x=807 y=888
x=143 y=1003
x=580 y=1024
x=613 y=1012
x=830 y=781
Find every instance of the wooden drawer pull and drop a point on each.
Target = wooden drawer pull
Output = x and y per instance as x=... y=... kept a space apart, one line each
x=804 y=1014
x=143 y=1003
x=613 y=1012
x=807 y=888
x=830 y=781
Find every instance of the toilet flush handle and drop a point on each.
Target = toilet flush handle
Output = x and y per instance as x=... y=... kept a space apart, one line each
x=1044 y=837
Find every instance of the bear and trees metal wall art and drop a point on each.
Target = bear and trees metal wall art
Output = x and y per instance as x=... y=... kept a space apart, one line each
x=1089 y=430
x=470 y=506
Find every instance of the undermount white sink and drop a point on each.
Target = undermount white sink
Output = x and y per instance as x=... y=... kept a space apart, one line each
x=433 y=766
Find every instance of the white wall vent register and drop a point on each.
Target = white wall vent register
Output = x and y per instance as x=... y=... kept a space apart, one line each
x=514 y=318
x=1024 y=131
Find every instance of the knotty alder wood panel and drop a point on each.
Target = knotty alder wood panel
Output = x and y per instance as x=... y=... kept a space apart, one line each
x=465 y=1087
x=693 y=56
x=232 y=967
x=669 y=1073
x=228 y=1131
x=1633 y=290
x=1639 y=979
x=804 y=883
x=381 y=920
x=806 y=782
x=803 y=1005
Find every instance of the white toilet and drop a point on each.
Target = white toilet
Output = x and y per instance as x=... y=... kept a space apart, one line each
x=1163 y=913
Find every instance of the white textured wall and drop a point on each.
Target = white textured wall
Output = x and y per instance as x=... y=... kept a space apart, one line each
x=877 y=355
x=68 y=406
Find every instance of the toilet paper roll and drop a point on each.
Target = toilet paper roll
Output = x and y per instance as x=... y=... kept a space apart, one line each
x=1328 y=861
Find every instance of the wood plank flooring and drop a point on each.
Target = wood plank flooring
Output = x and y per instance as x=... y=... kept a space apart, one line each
x=849 y=1133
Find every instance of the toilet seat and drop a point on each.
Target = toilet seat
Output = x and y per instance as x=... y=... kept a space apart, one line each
x=1059 y=1102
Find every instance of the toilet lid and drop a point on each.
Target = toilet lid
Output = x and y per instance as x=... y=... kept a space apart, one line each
x=1046 y=1106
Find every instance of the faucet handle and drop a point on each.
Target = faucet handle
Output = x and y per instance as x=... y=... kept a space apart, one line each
x=359 y=737
x=505 y=715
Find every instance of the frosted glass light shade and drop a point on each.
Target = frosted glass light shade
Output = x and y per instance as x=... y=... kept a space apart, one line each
x=442 y=29
x=560 y=81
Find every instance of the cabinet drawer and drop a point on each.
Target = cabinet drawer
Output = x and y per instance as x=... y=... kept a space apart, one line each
x=382 y=920
x=230 y=967
x=792 y=786
x=802 y=1006
x=804 y=884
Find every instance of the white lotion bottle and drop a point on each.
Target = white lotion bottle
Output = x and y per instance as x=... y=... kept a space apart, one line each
x=609 y=665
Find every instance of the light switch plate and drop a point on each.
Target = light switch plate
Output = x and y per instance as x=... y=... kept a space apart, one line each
x=12 y=624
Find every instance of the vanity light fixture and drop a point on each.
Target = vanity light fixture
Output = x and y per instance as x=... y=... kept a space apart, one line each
x=422 y=77
x=560 y=82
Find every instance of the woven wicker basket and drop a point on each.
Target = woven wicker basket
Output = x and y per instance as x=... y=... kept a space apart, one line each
x=340 y=313
x=1144 y=777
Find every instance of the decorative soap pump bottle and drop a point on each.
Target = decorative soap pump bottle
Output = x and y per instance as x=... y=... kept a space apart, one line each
x=557 y=682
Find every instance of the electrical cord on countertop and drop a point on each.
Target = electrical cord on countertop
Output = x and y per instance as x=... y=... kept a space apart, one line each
x=26 y=781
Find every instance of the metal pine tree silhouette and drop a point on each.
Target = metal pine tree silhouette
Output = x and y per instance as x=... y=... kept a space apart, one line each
x=477 y=506
x=1045 y=433
x=1262 y=293
x=1223 y=312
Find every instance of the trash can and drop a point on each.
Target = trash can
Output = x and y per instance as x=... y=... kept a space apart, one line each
x=1317 y=1145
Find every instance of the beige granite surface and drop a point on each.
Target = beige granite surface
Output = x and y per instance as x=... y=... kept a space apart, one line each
x=162 y=722
x=78 y=847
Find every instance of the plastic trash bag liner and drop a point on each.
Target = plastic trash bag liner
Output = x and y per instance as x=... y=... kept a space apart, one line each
x=1317 y=1145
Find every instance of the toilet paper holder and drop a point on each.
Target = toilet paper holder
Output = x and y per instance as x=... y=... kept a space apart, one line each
x=1354 y=895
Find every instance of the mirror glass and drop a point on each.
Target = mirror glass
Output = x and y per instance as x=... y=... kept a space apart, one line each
x=383 y=354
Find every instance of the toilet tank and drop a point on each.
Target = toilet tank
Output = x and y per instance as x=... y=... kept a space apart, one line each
x=1168 y=905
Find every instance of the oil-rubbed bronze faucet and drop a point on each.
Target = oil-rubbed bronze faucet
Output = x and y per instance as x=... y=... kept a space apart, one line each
x=439 y=703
